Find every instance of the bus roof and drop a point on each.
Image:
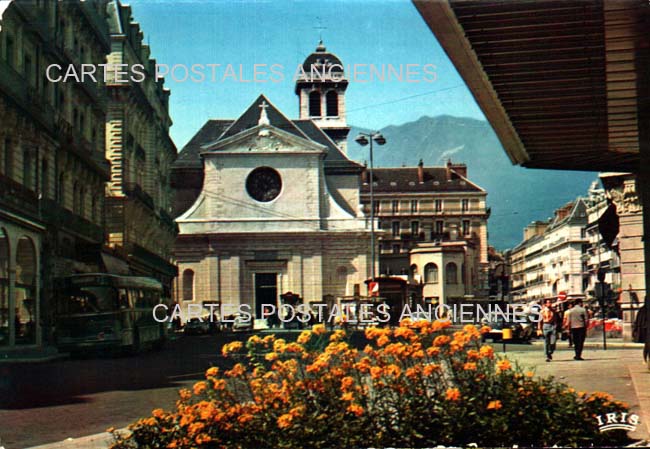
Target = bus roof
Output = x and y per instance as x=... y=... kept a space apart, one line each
x=113 y=280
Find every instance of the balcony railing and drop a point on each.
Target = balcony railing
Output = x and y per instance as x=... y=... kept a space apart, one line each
x=15 y=196
x=53 y=213
x=134 y=190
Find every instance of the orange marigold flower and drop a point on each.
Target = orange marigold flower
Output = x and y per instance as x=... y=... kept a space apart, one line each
x=285 y=421
x=211 y=372
x=199 y=388
x=433 y=351
x=469 y=366
x=381 y=341
x=452 y=394
x=473 y=354
x=486 y=351
x=318 y=329
x=349 y=397
x=158 y=413
x=485 y=329
x=375 y=372
x=430 y=368
x=185 y=394
x=304 y=337
x=236 y=370
x=404 y=332
x=494 y=405
x=233 y=346
x=531 y=374
x=504 y=365
x=355 y=409
x=392 y=370
x=338 y=335
x=271 y=356
x=346 y=382
x=441 y=340
x=412 y=372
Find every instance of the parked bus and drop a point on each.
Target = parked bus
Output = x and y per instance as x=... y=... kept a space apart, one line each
x=105 y=311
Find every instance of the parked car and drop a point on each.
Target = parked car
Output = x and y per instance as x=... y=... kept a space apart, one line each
x=242 y=324
x=521 y=332
x=196 y=326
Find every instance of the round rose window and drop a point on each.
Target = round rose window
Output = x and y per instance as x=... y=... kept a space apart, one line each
x=264 y=184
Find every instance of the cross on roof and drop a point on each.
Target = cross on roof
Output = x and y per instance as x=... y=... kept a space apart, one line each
x=264 y=119
x=320 y=29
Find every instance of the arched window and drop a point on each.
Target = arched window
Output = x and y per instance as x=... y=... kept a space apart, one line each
x=314 y=104
x=451 y=273
x=431 y=273
x=188 y=285
x=413 y=271
x=332 y=103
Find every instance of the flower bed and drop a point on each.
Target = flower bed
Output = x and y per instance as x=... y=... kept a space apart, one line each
x=417 y=385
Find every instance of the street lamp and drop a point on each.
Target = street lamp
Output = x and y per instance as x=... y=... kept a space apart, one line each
x=364 y=139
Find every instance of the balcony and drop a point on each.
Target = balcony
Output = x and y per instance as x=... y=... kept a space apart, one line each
x=28 y=98
x=17 y=197
x=77 y=144
x=134 y=190
x=54 y=214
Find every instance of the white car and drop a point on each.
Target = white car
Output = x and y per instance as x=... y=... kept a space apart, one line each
x=242 y=324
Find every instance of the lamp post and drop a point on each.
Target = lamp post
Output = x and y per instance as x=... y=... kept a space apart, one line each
x=364 y=139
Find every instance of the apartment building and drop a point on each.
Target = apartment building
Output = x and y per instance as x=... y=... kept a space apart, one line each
x=52 y=166
x=139 y=197
x=432 y=226
x=549 y=259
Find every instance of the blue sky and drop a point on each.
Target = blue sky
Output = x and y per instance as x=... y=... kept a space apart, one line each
x=285 y=32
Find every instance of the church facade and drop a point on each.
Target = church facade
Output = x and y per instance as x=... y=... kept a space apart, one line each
x=267 y=205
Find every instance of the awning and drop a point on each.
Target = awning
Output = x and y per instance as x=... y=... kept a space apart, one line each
x=556 y=79
x=113 y=265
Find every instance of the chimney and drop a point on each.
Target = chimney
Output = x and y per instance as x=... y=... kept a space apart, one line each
x=421 y=172
x=562 y=212
x=448 y=171
x=460 y=169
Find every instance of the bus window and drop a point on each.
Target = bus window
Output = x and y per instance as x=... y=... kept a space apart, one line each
x=88 y=300
x=123 y=299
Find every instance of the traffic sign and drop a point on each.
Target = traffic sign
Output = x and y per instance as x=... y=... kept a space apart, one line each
x=561 y=296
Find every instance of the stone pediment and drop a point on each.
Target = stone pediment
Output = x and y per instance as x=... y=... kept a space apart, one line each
x=263 y=139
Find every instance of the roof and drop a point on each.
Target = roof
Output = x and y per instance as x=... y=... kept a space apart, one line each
x=216 y=130
x=321 y=56
x=556 y=79
x=405 y=180
x=209 y=132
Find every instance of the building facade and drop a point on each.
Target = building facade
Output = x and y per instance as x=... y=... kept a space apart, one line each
x=52 y=166
x=270 y=205
x=432 y=227
x=550 y=258
x=140 y=227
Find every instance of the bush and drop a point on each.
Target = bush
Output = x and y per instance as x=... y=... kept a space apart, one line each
x=418 y=385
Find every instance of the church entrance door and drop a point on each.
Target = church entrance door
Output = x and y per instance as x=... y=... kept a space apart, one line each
x=266 y=291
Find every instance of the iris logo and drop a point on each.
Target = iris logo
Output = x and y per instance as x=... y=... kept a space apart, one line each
x=617 y=420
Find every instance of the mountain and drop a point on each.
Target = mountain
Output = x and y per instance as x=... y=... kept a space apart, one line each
x=516 y=195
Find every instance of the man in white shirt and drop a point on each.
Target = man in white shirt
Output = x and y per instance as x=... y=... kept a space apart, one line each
x=578 y=320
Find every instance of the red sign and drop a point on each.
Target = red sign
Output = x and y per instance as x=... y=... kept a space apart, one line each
x=373 y=289
x=561 y=296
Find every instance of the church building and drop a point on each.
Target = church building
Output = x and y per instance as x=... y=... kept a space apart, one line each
x=267 y=205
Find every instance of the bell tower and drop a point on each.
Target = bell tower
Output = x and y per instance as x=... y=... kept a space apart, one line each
x=321 y=92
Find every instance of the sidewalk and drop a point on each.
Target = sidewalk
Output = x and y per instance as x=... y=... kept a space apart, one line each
x=98 y=441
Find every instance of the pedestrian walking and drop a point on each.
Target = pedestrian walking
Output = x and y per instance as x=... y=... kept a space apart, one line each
x=578 y=321
x=547 y=327
x=565 y=324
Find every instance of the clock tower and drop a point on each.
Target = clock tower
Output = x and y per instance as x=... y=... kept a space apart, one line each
x=321 y=93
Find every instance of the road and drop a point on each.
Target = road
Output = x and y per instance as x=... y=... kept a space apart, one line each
x=47 y=402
